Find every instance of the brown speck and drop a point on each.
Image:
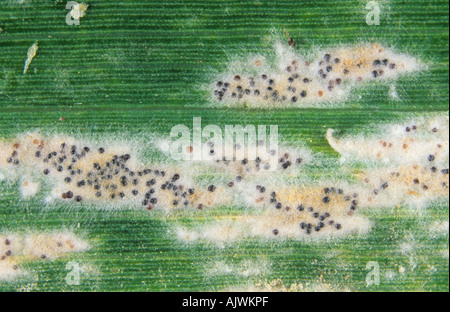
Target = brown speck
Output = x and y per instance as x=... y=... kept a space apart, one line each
x=320 y=93
x=62 y=118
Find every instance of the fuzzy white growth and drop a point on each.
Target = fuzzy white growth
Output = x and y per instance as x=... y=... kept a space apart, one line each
x=296 y=81
x=277 y=285
x=9 y=271
x=223 y=233
x=17 y=248
x=28 y=188
x=440 y=227
x=409 y=142
x=30 y=55
x=393 y=93
x=111 y=175
x=414 y=158
x=245 y=268
x=52 y=246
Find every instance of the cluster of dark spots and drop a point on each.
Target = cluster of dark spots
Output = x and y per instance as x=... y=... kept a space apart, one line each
x=13 y=159
x=7 y=253
x=411 y=128
x=377 y=73
x=306 y=226
x=67 y=195
x=268 y=91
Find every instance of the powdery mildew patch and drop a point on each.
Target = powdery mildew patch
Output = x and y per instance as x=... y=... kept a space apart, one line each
x=18 y=248
x=297 y=81
x=246 y=268
x=407 y=142
x=277 y=285
x=290 y=212
x=109 y=176
x=414 y=159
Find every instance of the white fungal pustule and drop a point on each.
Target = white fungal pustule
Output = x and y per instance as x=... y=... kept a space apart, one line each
x=29 y=188
x=17 y=248
x=299 y=82
x=409 y=142
x=107 y=175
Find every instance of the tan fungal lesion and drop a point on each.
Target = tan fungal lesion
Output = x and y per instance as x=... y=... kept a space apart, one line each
x=413 y=157
x=277 y=285
x=407 y=142
x=306 y=210
x=112 y=175
x=412 y=181
x=17 y=248
x=299 y=82
x=288 y=213
x=104 y=175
